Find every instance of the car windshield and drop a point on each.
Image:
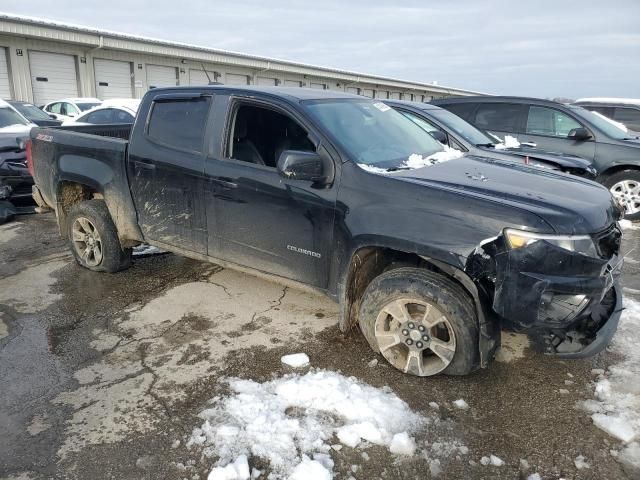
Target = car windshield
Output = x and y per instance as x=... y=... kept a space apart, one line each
x=607 y=127
x=9 y=118
x=84 y=106
x=31 y=111
x=463 y=128
x=372 y=133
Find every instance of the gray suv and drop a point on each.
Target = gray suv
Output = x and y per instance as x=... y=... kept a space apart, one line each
x=623 y=110
x=570 y=129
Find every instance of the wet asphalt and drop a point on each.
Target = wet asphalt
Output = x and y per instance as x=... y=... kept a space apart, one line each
x=103 y=376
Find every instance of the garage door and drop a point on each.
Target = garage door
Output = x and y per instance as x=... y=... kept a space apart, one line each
x=161 y=76
x=53 y=76
x=5 y=88
x=113 y=79
x=367 y=92
x=382 y=94
x=395 y=96
x=319 y=86
x=267 y=81
x=292 y=83
x=354 y=90
x=235 y=79
x=198 y=77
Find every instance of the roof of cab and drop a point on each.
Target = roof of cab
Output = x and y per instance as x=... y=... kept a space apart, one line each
x=494 y=99
x=292 y=93
x=419 y=105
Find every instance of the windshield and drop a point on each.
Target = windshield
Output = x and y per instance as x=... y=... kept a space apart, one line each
x=463 y=128
x=606 y=126
x=372 y=133
x=8 y=118
x=31 y=111
x=87 y=106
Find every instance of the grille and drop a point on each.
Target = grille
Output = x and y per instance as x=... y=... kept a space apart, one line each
x=608 y=242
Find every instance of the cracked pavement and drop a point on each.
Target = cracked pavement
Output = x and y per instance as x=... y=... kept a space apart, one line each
x=103 y=376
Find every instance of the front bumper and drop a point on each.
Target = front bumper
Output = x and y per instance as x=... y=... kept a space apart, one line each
x=568 y=303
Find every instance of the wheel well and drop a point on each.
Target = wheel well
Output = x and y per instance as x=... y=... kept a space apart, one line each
x=616 y=169
x=68 y=195
x=369 y=262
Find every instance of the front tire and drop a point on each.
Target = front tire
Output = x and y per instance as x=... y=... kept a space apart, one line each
x=625 y=188
x=421 y=322
x=94 y=239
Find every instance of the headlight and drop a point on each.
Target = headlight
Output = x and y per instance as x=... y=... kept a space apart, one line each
x=574 y=243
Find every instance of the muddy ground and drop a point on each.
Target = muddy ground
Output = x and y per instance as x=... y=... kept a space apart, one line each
x=103 y=376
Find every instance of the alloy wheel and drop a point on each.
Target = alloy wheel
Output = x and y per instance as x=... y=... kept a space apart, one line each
x=87 y=241
x=415 y=336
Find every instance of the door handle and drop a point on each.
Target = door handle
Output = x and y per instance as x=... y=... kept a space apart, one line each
x=225 y=182
x=145 y=165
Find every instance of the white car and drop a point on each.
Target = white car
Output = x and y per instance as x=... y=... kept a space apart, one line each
x=115 y=110
x=69 y=108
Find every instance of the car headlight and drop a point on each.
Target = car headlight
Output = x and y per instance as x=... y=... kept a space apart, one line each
x=582 y=244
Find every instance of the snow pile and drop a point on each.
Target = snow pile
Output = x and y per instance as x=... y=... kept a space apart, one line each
x=238 y=470
x=508 y=142
x=291 y=421
x=616 y=409
x=492 y=460
x=581 y=463
x=621 y=126
x=418 y=161
x=461 y=404
x=296 y=360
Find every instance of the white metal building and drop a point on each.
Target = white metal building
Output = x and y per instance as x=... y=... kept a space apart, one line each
x=42 y=61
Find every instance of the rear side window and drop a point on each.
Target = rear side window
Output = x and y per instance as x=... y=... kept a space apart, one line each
x=179 y=124
x=549 y=121
x=464 y=110
x=629 y=116
x=502 y=117
x=55 y=108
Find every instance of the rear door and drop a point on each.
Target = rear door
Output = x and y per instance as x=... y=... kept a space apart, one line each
x=166 y=166
x=548 y=128
x=500 y=119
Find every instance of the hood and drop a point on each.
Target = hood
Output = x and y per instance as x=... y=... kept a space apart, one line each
x=569 y=204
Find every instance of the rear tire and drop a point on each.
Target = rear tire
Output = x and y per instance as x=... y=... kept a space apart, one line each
x=625 y=188
x=421 y=322
x=93 y=238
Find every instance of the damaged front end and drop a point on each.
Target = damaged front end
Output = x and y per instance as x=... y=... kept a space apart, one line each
x=562 y=290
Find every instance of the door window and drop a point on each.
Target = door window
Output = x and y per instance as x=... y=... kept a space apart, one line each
x=629 y=116
x=259 y=135
x=55 y=108
x=550 y=122
x=421 y=122
x=501 y=117
x=179 y=124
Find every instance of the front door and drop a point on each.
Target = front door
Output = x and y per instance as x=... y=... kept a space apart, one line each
x=548 y=129
x=263 y=220
x=166 y=172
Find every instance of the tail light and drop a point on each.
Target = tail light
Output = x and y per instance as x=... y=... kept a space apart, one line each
x=29 y=153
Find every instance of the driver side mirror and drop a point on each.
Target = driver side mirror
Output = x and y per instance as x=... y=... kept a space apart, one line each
x=579 y=134
x=53 y=115
x=439 y=135
x=300 y=165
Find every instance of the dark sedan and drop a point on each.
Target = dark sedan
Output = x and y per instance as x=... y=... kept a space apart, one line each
x=34 y=114
x=457 y=133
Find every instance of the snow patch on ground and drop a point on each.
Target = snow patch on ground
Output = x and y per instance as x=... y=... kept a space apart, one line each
x=461 y=404
x=627 y=225
x=616 y=409
x=291 y=420
x=581 y=463
x=296 y=360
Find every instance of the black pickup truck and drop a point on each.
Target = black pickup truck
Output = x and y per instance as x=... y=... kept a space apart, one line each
x=431 y=258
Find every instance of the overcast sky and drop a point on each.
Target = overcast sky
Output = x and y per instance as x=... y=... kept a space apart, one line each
x=557 y=48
